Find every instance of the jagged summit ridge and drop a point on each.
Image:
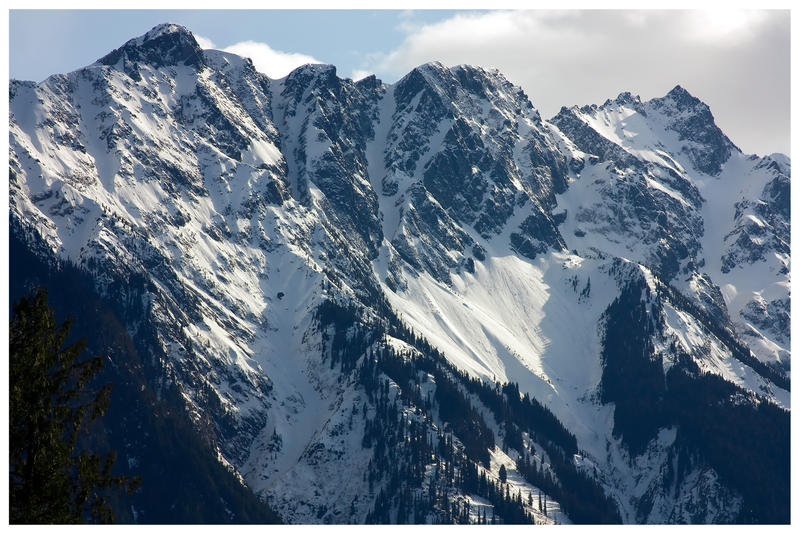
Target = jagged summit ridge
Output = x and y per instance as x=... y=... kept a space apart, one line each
x=678 y=111
x=692 y=119
x=166 y=44
x=298 y=246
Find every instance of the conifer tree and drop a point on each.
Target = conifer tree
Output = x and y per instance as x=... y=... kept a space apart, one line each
x=50 y=405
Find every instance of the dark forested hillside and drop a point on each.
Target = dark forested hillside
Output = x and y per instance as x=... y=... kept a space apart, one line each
x=146 y=424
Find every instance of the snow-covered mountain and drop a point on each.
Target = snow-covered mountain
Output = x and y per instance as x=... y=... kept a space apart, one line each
x=372 y=296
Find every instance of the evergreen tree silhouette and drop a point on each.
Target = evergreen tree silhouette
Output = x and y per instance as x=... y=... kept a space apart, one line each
x=50 y=405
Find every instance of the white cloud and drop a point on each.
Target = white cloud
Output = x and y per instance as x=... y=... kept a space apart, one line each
x=204 y=42
x=273 y=63
x=719 y=25
x=736 y=61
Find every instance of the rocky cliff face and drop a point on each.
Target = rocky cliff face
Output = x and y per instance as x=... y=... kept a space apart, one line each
x=329 y=268
x=665 y=187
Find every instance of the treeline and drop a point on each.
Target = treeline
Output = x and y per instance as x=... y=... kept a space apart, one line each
x=182 y=480
x=633 y=376
x=422 y=469
x=746 y=441
x=744 y=438
x=581 y=497
x=738 y=349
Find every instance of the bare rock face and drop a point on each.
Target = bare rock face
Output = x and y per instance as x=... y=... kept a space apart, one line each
x=368 y=297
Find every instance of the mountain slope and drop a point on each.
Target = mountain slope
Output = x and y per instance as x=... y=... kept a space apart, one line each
x=340 y=276
x=145 y=423
x=683 y=199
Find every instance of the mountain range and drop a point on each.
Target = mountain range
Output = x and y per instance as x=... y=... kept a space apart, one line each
x=342 y=301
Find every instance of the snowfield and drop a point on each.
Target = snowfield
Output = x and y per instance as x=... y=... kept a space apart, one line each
x=239 y=205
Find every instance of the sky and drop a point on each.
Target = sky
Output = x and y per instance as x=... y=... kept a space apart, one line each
x=736 y=61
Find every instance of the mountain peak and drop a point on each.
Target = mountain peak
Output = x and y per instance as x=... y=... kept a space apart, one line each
x=679 y=90
x=432 y=72
x=684 y=99
x=314 y=69
x=691 y=118
x=165 y=28
x=312 y=74
x=627 y=98
x=623 y=99
x=244 y=233
x=431 y=66
x=165 y=45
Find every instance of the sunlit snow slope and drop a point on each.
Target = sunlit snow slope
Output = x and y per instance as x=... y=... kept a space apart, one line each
x=231 y=213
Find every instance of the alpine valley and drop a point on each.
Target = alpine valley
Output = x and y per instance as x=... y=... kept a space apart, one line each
x=328 y=301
